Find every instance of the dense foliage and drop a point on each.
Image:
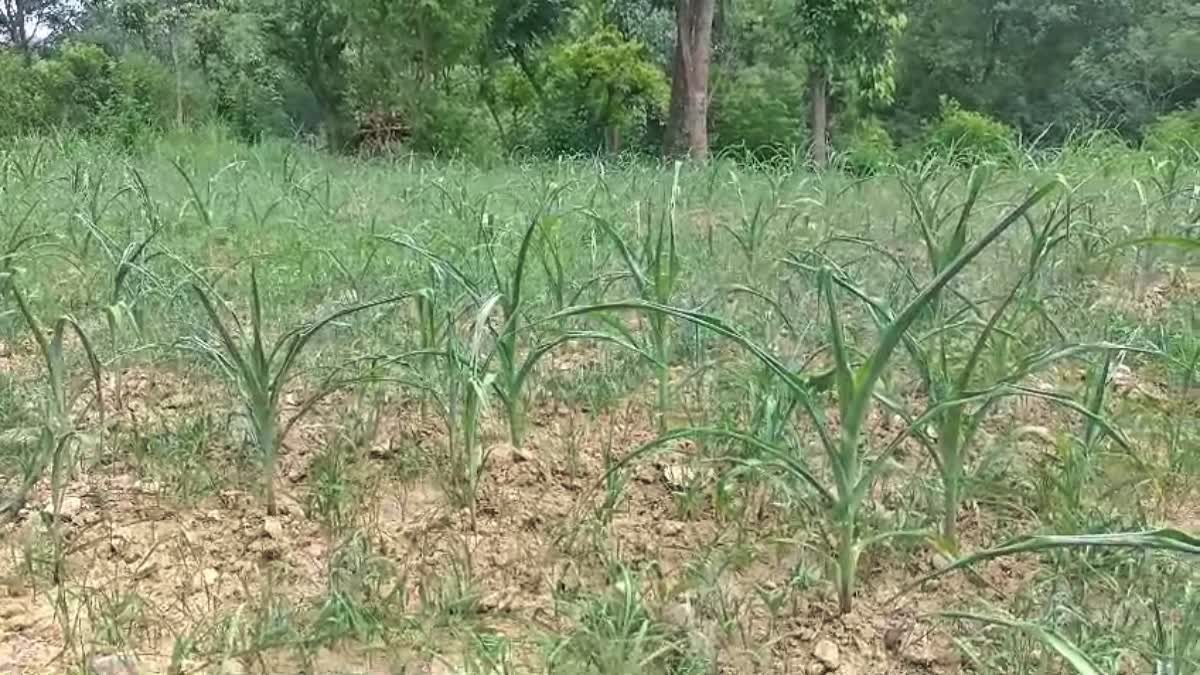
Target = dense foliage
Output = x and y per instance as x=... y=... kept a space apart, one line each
x=482 y=77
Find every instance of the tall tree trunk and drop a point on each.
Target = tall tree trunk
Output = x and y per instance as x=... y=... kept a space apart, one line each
x=819 y=116
x=687 y=128
x=522 y=61
x=612 y=139
x=178 y=81
x=18 y=37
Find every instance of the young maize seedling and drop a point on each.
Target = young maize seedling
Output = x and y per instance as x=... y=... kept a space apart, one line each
x=261 y=374
x=854 y=469
x=1166 y=176
x=1167 y=540
x=550 y=255
x=59 y=429
x=1178 y=647
x=957 y=406
x=121 y=310
x=654 y=270
x=510 y=380
x=755 y=225
x=204 y=202
x=26 y=167
x=468 y=383
x=514 y=356
x=14 y=244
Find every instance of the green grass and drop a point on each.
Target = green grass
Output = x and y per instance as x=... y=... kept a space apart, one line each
x=925 y=362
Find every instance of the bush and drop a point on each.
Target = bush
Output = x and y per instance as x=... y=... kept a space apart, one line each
x=1176 y=133
x=78 y=82
x=1098 y=147
x=601 y=92
x=760 y=111
x=142 y=99
x=1098 y=142
x=24 y=107
x=449 y=120
x=247 y=84
x=867 y=148
x=966 y=136
x=443 y=117
x=83 y=88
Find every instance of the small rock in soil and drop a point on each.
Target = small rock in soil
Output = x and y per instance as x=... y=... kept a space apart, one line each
x=893 y=638
x=272 y=528
x=670 y=528
x=503 y=454
x=70 y=507
x=679 y=614
x=678 y=476
x=130 y=554
x=112 y=665
x=827 y=652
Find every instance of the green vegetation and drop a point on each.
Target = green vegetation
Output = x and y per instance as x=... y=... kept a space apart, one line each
x=845 y=376
x=969 y=137
x=767 y=79
x=599 y=336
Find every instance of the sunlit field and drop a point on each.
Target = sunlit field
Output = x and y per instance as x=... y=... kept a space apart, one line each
x=264 y=410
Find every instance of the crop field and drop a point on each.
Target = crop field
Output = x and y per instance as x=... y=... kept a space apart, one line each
x=263 y=410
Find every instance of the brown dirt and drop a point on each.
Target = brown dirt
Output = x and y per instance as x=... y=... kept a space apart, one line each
x=534 y=533
x=1156 y=294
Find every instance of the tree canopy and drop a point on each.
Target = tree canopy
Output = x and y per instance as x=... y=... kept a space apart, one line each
x=555 y=76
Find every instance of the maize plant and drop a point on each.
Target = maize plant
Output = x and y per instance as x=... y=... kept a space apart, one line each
x=59 y=429
x=957 y=404
x=261 y=374
x=514 y=353
x=853 y=468
x=654 y=267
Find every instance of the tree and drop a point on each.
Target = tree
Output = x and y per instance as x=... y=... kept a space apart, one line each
x=245 y=80
x=310 y=36
x=518 y=26
x=400 y=49
x=687 y=127
x=162 y=25
x=1043 y=66
x=602 y=84
x=25 y=23
x=1152 y=67
x=852 y=42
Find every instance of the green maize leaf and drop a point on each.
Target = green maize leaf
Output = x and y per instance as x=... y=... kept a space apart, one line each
x=1079 y=661
x=631 y=264
x=441 y=263
x=1182 y=243
x=231 y=353
x=841 y=360
x=300 y=339
x=1165 y=539
x=707 y=321
x=873 y=369
x=958 y=239
x=545 y=348
x=779 y=456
